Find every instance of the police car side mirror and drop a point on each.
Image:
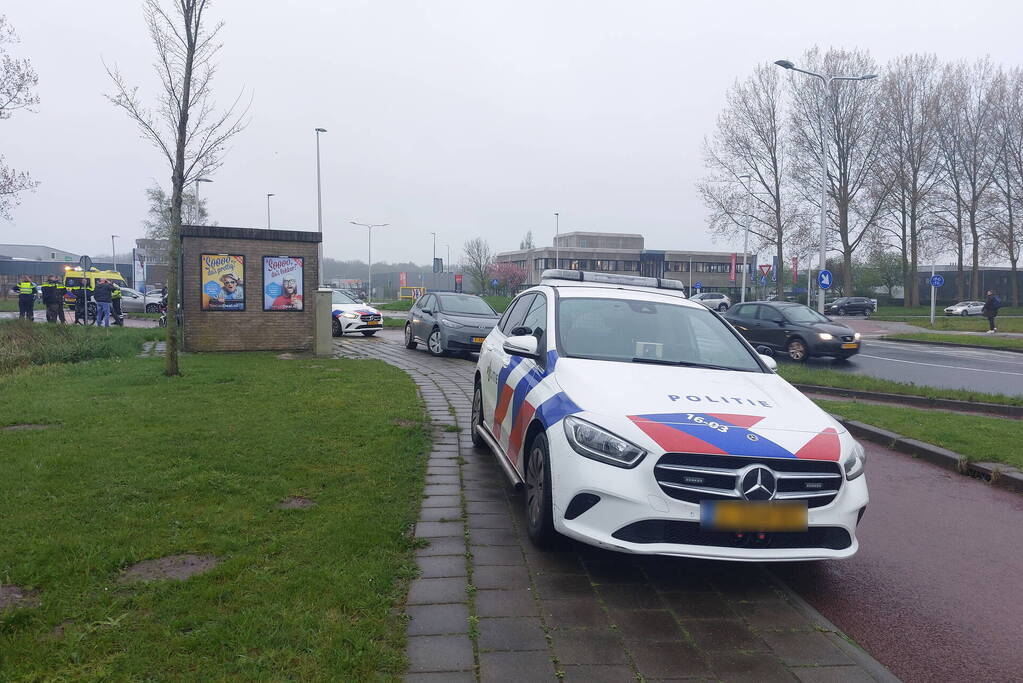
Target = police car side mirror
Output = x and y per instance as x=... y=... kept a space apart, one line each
x=524 y=345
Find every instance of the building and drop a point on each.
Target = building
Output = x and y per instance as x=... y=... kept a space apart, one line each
x=996 y=278
x=36 y=252
x=626 y=254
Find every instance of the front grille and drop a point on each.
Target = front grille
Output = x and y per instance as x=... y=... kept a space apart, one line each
x=690 y=533
x=367 y=317
x=693 y=477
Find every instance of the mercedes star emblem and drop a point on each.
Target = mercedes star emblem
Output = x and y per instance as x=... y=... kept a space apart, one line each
x=759 y=483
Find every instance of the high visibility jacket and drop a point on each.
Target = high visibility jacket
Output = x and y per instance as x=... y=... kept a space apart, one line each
x=26 y=287
x=116 y=294
x=53 y=292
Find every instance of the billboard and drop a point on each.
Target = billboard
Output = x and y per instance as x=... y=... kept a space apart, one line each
x=222 y=282
x=283 y=286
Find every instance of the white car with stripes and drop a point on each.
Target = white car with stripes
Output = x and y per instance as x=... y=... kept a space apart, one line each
x=639 y=421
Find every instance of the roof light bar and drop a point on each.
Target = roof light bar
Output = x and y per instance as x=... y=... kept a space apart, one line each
x=605 y=278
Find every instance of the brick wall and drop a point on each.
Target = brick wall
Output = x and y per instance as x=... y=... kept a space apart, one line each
x=252 y=329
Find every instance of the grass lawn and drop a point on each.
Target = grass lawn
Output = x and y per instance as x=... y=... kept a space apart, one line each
x=939 y=310
x=973 y=323
x=27 y=343
x=400 y=305
x=394 y=322
x=499 y=303
x=136 y=466
x=980 y=439
x=979 y=340
x=8 y=304
x=825 y=377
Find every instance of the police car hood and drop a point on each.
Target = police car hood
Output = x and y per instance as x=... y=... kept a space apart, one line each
x=361 y=309
x=698 y=410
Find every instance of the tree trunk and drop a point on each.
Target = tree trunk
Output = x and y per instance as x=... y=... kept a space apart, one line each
x=780 y=274
x=911 y=297
x=960 y=279
x=975 y=255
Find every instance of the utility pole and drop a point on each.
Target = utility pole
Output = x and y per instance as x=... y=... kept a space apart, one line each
x=433 y=261
x=557 y=252
x=195 y=212
x=319 y=208
x=113 y=253
x=369 y=257
x=268 y=195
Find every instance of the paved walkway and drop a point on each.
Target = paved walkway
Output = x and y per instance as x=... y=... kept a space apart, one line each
x=488 y=606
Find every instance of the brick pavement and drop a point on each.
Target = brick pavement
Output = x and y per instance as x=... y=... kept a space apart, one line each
x=488 y=606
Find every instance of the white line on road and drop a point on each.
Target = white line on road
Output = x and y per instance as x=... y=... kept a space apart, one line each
x=984 y=355
x=938 y=365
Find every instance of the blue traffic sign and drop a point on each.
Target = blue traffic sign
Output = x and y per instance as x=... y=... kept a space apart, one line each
x=937 y=280
x=698 y=285
x=494 y=282
x=825 y=279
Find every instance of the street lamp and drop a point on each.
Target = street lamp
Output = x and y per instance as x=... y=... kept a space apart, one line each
x=268 y=195
x=447 y=264
x=319 y=207
x=557 y=259
x=113 y=253
x=369 y=235
x=827 y=81
x=433 y=261
x=196 y=215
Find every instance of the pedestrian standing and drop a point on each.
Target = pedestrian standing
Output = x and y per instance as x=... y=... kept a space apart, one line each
x=115 y=300
x=53 y=299
x=990 y=311
x=26 y=291
x=103 y=294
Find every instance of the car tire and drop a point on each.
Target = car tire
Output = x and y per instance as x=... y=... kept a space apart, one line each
x=435 y=343
x=152 y=308
x=368 y=333
x=477 y=418
x=335 y=328
x=722 y=308
x=797 y=350
x=965 y=313
x=410 y=341
x=841 y=311
x=539 y=506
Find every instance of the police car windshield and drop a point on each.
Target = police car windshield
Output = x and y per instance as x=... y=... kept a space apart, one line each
x=341 y=298
x=644 y=331
x=464 y=304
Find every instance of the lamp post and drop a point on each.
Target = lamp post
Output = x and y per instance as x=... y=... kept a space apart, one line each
x=319 y=208
x=433 y=261
x=113 y=253
x=369 y=256
x=827 y=81
x=268 y=195
x=195 y=212
x=557 y=259
x=447 y=263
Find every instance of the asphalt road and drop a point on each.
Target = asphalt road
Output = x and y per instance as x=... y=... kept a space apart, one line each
x=934 y=591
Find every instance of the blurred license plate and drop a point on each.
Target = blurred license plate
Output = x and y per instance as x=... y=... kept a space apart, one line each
x=478 y=340
x=727 y=515
x=852 y=345
x=373 y=322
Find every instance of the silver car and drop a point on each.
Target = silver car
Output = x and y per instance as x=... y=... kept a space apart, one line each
x=447 y=321
x=134 y=301
x=713 y=300
x=965 y=308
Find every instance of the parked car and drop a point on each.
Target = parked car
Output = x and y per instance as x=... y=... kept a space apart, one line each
x=851 y=305
x=793 y=329
x=715 y=300
x=350 y=315
x=448 y=321
x=134 y=301
x=640 y=422
x=965 y=308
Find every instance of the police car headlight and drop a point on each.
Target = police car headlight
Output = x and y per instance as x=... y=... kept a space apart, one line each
x=855 y=463
x=451 y=323
x=595 y=443
x=351 y=316
x=825 y=336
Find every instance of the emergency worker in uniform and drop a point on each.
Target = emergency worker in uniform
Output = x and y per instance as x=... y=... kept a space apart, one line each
x=26 y=291
x=115 y=301
x=53 y=299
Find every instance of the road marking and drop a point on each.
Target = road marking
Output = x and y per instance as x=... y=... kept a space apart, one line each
x=979 y=355
x=937 y=365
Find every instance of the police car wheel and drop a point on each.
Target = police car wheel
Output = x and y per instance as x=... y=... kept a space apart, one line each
x=434 y=343
x=335 y=328
x=410 y=341
x=477 y=418
x=539 y=507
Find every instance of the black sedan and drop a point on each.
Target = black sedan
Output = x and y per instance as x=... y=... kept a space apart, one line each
x=794 y=329
x=850 y=305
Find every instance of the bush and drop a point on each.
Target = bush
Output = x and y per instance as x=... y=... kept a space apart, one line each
x=25 y=343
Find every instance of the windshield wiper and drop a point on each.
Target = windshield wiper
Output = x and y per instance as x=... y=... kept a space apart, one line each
x=682 y=363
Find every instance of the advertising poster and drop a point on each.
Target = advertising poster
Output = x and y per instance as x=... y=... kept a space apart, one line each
x=731 y=270
x=223 y=282
x=282 y=283
x=138 y=263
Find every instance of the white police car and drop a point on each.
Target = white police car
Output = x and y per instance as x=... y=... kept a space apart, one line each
x=351 y=315
x=642 y=422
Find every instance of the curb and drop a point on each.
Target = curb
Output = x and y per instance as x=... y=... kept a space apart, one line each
x=917 y=401
x=996 y=474
x=953 y=344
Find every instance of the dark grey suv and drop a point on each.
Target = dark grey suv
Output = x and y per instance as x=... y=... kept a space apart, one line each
x=447 y=321
x=793 y=329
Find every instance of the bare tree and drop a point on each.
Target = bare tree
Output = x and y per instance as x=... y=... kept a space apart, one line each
x=527 y=241
x=477 y=260
x=17 y=82
x=908 y=159
x=1004 y=230
x=746 y=181
x=184 y=126
x=852 y=139
x=157 y=222
x=968 y=151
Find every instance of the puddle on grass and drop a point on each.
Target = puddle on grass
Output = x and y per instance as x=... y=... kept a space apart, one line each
x=295 y=503
x=12 y=596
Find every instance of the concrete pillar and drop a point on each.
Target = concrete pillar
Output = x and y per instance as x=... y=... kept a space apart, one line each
x=324 y=342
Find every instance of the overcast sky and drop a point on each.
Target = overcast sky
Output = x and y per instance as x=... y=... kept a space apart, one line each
x=467 y=118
